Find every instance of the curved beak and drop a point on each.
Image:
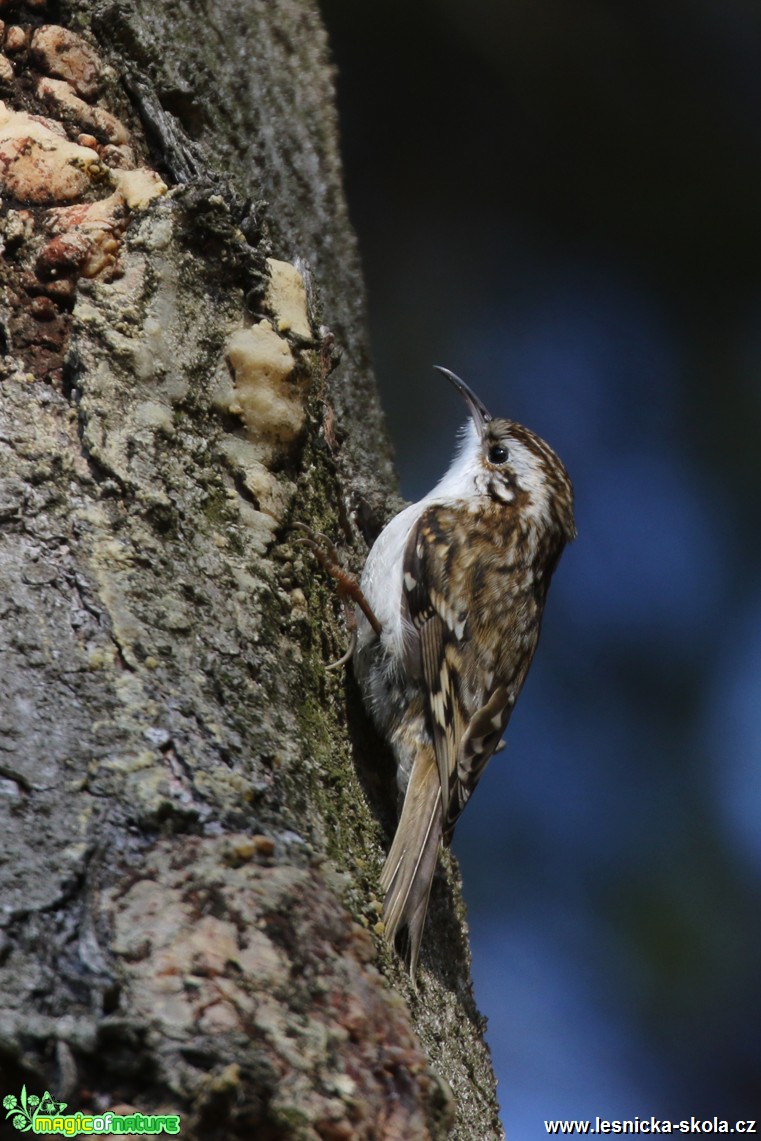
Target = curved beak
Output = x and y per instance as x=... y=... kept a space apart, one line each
x=479 y=412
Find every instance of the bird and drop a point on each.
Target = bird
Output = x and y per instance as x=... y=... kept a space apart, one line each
x=449 y=607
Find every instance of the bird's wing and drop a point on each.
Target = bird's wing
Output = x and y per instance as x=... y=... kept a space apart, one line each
x=480 y=742
x=467 y=710
x=440 y=620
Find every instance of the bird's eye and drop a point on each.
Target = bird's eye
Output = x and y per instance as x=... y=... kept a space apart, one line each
x=497 y=454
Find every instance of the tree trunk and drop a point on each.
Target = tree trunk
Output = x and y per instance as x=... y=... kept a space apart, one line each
x=194 y=811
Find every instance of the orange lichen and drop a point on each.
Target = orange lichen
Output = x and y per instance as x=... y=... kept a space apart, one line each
x=73 y=167
x=38 y=163
x=60 y=96
x=59 y=52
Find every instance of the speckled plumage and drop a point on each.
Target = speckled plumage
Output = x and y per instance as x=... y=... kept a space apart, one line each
x=458 y=583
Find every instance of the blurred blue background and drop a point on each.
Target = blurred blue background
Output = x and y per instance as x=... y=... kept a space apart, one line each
x=561 y=203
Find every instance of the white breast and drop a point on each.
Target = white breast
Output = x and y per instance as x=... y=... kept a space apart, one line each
x=381 y=579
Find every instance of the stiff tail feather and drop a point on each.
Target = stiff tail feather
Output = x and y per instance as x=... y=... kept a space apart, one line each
x=408 y=872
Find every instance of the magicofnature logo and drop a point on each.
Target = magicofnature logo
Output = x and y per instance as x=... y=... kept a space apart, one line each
x=25 y=1109
x=45 y=1115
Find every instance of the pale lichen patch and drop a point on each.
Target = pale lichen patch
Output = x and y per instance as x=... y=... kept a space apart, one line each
x=260 y=527
x=287 y=298
x=138 y=187
x=271 y=493
x=152 y=414
x=265 y=396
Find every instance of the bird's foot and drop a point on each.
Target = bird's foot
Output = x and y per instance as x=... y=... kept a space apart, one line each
x=349 y=590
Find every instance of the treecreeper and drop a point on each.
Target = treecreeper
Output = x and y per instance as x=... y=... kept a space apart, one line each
x=448 y=612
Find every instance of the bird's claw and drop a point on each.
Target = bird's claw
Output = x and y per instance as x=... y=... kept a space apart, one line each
x=349 y=590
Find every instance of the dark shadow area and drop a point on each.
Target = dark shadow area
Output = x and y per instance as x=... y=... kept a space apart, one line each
x=560 y=203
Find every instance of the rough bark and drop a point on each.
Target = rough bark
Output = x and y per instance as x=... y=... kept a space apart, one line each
x=194 y=812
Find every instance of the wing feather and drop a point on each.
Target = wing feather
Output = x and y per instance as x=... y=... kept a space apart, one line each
x=428 y=607
x=466 y=721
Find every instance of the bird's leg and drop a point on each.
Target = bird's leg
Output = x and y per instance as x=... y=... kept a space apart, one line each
x=349 y=590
